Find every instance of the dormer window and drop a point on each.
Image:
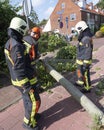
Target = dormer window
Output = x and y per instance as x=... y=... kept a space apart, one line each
x=88 y=16
x=96 y=17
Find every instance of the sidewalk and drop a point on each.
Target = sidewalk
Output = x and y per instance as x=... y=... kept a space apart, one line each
x=60 y=111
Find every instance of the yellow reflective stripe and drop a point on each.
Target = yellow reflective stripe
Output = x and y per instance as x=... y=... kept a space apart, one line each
x=28 y=46
x=33 y=63
x=80 y=82
x=80 y=62
x=81 y=43
x=26 y=120
x=33 y=81
x=8 y=55
x=87 y=87
x=20 y=83
x=32 y=120
x=87 y=61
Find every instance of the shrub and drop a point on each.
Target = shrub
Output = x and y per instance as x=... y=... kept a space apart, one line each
x=50 y=42
x=102 y=30
x=67 y=52
x=98 y=34
x=65 y=59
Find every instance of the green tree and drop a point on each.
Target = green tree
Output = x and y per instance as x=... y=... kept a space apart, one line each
x=6 y=14
x=100 y=4
x=34 y=17
x=43 y=22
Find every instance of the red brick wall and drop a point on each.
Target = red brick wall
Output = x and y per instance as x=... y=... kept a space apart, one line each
x=70 y=8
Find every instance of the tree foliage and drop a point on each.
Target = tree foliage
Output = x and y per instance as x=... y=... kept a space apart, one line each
x=43 y=22
x=6 y=14
x=100 y=4
x=34 y=17
x=49 y=41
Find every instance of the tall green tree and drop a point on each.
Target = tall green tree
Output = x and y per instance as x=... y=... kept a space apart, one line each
x=6 y=14
x=34 y=17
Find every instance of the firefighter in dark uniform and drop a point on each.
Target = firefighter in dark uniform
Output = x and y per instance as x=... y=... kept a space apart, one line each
x=22 y=73
x=84 y=56
x=32 y=41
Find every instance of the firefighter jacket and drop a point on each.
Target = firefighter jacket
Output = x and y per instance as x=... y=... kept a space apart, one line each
x=18 y=61
x=30 y=41
x=85 y=47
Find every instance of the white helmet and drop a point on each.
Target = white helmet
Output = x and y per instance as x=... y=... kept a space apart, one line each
x=19 y=25
x=81 y=26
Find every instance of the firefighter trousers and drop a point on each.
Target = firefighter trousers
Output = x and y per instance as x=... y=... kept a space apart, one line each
x=83 y=74
x=31 y=101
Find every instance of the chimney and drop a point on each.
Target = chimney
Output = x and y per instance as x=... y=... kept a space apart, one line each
x=91 y=6
x=82 y=4
x=75 y=1
x=99 y=10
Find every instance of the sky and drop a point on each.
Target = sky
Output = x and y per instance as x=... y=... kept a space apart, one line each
x=44 y=8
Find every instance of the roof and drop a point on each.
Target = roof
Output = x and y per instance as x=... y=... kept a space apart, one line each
x=89 y=8
x=47 y=27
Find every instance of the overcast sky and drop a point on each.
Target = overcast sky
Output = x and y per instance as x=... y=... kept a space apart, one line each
x=44 y=8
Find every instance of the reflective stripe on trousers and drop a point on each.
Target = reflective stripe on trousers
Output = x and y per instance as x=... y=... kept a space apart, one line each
x=87 y=79
x=31 y=103
x=33 y=106
x=84 y=76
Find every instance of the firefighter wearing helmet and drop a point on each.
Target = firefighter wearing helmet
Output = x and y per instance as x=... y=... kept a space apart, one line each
x=35 y=33
x=84 y=56
x=32 y=39
x=22 y=74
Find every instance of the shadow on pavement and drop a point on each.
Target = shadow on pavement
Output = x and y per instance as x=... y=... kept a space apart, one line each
x=58 y=111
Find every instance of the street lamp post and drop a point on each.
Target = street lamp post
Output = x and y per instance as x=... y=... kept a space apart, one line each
x=26 y=12
x=27 y=7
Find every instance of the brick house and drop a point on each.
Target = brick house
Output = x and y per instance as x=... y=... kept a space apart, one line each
x=68 y=12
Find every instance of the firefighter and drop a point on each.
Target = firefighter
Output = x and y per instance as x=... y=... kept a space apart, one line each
x=84 y=56
x=32 y=41
x=22 y=73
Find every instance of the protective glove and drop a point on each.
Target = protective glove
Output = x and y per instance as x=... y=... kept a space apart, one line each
x=26 y=90
x=26 y=87
x=37 y=87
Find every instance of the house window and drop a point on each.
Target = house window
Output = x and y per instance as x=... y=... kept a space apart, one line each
x=88 y=16
x=72 y=17
x=96 y=18
x=63 y=5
